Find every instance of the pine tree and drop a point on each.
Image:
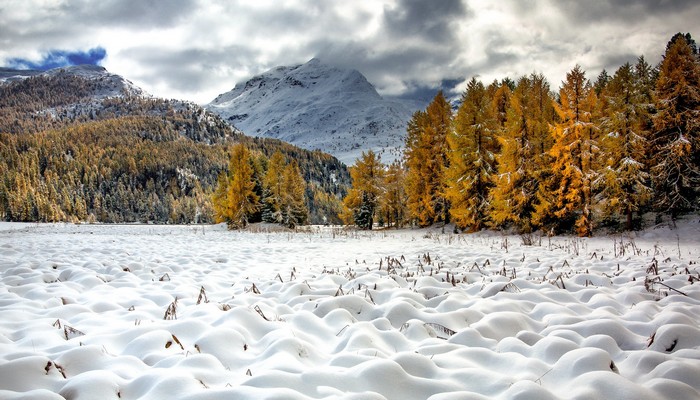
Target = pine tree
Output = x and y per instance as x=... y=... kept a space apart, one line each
x=365 y=195
x=624 y=181
x=675 y=143
x=569 y=198
x=472 y=148
x=234 y=198
x=426 y=162
x=522 y=161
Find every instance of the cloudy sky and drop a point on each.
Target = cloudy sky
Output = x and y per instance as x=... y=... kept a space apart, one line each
x=196 y=49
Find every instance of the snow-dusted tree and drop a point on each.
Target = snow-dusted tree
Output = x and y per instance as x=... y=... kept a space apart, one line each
x=675 y=143
x=393 y=203
x=623 y=183
x=472 y=146
x=293 y=209
x=272 y=189
x=522 y=160
x=569 y=199
x=601 y=82
x=426 y=161
x=363 y=198
x=234 y=200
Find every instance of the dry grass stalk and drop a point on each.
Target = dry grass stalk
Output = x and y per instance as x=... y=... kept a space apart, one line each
x=58 y=368
x=171 y=311
x=259 y=311
x=202 y=296
x=69 y=332
x=442 y=331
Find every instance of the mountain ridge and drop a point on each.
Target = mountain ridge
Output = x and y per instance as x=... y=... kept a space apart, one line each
x=82 y=144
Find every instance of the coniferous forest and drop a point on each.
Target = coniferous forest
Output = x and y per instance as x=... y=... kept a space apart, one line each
x=67 y=154
x=517 y=155
x=511 y=154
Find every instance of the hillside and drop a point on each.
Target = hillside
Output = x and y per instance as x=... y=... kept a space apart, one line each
x=318 y=106
x=81 y=144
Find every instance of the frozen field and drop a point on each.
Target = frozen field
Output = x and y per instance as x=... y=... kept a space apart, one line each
x=185 y=312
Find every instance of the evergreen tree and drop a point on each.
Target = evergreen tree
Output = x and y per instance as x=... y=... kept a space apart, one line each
x=601 y=82
x=624 y=182
x=363 y=198
x=569 y=198
x=472 y=148
x=675 y=143
x=426 y=162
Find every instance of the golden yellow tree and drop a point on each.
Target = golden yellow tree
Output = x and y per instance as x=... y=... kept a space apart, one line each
x=393 y=204
x=234 y=200
x=272 y=188
x=292 y=205
x=472 y=146
x=522 y=161
x=364 y=197
x=573 y=152
x=426 y=161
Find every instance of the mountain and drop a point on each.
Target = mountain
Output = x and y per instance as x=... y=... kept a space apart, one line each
x=318 y=106
x=105 y=83
x=80 y=143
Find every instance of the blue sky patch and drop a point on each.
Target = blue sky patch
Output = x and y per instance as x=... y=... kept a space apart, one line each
x=60 y=58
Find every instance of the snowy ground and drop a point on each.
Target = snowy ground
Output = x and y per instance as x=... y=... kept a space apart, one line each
x=165 y=312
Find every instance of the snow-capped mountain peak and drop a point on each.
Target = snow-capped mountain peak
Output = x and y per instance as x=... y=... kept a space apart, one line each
x=317 y=106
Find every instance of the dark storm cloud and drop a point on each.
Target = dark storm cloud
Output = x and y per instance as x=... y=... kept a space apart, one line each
x=583 y=12
x=143 y=14
x=416 y=39
x=431 y=21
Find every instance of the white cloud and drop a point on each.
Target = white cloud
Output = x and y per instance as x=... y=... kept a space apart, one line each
x=195 y=49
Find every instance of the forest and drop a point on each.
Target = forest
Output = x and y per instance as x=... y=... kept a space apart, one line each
x=515 y=155
x=67 y=154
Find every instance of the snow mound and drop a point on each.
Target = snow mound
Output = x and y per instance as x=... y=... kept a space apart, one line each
x=197 y=312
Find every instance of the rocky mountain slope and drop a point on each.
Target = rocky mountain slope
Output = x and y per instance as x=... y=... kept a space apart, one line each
x=318 y=106
x=80 y=144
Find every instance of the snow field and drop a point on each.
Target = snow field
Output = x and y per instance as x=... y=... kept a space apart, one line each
x=198 y=312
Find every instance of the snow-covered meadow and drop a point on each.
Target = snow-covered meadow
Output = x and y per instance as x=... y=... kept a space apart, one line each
x=198 y=312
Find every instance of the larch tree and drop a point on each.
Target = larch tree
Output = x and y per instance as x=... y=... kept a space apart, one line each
x=272 y=189
x=472 y=147
x=522 y=160
x=234 y=199
x=293 y=205
x=362 y=200
x=569 y=200
x=675 y=142
x=426 y=162
x=623 y=183
x=393 y=205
